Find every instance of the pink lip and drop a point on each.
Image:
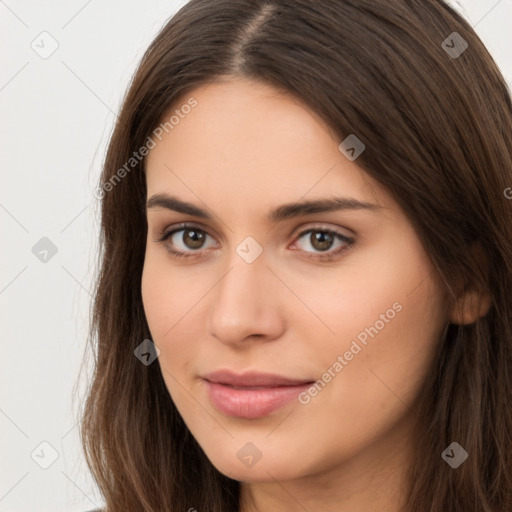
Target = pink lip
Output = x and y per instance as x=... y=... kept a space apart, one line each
x=252 y=394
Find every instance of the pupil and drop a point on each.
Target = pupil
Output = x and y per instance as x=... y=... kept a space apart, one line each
x=193 y=239
x=321 y=240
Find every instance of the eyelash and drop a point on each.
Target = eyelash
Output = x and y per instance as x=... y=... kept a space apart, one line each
x=327 y=256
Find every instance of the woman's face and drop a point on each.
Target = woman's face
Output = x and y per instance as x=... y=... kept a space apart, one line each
x=293 y=339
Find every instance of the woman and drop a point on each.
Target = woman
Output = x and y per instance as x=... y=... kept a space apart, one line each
x=304 y=300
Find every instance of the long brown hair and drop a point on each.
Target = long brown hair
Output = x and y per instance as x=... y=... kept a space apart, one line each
x=435 y=115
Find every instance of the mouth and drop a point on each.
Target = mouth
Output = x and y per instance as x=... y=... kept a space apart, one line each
x=253 y=394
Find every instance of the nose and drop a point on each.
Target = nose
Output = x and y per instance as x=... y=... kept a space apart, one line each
x=246 y=304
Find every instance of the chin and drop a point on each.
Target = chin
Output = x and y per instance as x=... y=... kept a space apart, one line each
x=236 y=463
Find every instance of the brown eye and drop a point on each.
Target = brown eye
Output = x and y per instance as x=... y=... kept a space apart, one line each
x=193 y=238
x=321 y=240
x=186 y=241
x=323 y=244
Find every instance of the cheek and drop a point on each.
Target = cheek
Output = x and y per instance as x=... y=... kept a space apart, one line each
x=402 y=356
x=165 y=297
x=386 y=319
x=170 y=302
x=374 y=389
x=390 y=292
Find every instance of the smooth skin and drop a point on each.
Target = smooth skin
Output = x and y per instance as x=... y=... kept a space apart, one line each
x=243 y=151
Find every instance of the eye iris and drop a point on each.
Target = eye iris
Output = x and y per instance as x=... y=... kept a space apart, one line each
x=193 y=239
x=321 y=240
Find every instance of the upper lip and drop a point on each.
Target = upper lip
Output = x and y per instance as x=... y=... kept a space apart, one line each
x=252 y=378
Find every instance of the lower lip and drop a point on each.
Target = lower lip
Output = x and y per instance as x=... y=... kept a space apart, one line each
x=251 y=404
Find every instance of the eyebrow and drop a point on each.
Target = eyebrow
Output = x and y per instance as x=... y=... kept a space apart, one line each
x=281 y=213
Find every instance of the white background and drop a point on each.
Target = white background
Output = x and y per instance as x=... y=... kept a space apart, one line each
x=56 y=116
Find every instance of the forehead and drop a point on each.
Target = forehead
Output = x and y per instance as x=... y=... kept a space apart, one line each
x=249 y=140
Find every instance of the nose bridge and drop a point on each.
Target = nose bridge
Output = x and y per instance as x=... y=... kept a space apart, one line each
x=241 y=292
x=245 y=301
x=247 y=276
